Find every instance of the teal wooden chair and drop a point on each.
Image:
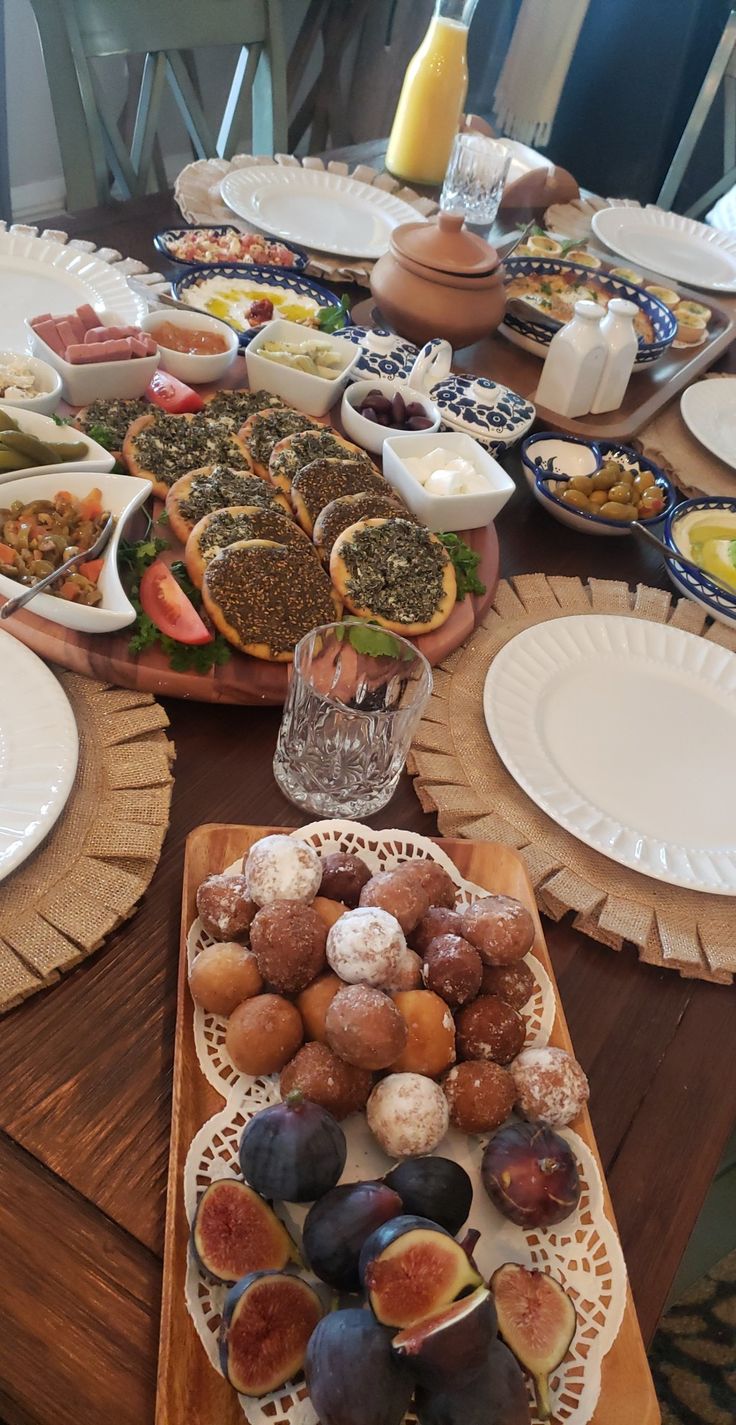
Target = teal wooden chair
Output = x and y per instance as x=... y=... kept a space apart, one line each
x=75 y=33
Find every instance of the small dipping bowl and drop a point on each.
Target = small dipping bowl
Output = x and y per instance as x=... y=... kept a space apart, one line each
x=703 y=591
x=314 y=395
x=48 y=380
x=195 y=369
x=446 y=512
x=369 y=434
x=558 y=455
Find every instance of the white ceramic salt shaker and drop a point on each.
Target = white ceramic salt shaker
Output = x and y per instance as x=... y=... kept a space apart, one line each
x=617 y=329
x=575 y=361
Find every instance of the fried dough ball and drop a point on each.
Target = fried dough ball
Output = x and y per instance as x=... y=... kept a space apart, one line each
x=324 y=1079
x=513 y=983
x=327 y=910
x=439 y=920
x=500 y=928
x=282 y=868
x=365 y=946
x=480 y=1095
x=343 y=877
x=225 y=908
x=263 y=1034
x=408 y=1115
x=365 y=1028
x=314 y=1002
x=288 y=940
x=222 y=976
x=433 y=879
x=489 y=1029
x=551 y=1086
x=430 y=1045
x=408 y=973
x=453 y=969
x=399 y=894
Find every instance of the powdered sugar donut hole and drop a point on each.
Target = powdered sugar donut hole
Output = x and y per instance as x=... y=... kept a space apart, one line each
x=408 y=1115
x=281 y=868
x=551 y=1086
x=366 y=946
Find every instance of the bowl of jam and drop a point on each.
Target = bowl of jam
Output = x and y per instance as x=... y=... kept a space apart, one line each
x=194 y=346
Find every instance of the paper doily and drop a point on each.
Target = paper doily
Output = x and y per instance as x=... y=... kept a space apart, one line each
x=197 y=193
x=583 y=1252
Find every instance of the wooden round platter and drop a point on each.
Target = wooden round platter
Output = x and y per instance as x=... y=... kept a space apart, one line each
x=243 y=680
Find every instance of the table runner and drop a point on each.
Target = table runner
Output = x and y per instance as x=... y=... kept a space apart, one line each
x=459 y=775
x=92 y=869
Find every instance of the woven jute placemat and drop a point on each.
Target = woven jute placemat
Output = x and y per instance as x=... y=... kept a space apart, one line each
x=459 y=775
x=92 y=869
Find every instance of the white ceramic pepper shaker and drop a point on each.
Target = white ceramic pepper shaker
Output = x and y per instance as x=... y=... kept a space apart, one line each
x=617 y=329
x=575 y=361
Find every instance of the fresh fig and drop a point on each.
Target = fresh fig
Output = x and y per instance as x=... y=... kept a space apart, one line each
x=267 y=1320
x=235 y=1232
x=537 y=1321
x=530 y=1174
x=436 y=1188
x=337 y=1226
x=294 y=1150
x=352 y=1377
x=453 y=1345
x=410 y=1268
x=495 y=1395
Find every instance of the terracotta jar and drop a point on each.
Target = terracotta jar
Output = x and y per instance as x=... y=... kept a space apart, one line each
x=438 y=279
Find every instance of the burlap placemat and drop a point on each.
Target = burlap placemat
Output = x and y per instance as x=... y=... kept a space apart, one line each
x=92 y=869
x=459 y=776
x=668 y=442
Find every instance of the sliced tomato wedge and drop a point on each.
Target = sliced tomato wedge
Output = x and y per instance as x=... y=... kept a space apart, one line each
x=172 y=395
x=169 y=608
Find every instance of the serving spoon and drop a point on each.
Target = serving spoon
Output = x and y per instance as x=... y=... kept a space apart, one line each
x=81 y=557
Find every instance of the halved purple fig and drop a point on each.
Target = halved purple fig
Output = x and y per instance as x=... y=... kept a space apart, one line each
x=351 y=1375
x=235 y=1232
x=451 y=1345
x=410 y=1268
x=293 y=1150
x=537 y=1320
x=495 y=1395
x=267 y=1321
x=337 y=1226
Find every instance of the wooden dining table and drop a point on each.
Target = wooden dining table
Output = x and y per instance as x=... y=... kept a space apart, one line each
x=86 y=1067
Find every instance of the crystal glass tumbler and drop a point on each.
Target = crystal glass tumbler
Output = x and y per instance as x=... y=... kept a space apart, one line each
x=475 y=178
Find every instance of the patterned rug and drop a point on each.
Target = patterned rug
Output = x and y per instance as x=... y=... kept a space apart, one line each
x=693 y=1357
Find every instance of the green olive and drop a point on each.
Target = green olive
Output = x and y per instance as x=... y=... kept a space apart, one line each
x=605 y=479
x=582 y=482
x=643 y=481
x=621 y=493
x=577 y=499
x=599 y=497
x=614 y=510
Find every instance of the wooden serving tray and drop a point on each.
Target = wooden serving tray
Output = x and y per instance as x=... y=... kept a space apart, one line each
x=243 y=680
x=189 y=1391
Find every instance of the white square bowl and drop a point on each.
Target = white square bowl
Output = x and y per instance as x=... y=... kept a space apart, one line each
x=96 y=458
x=446 y=512
x=313 y=395
x=121 y=496
x=99 y=380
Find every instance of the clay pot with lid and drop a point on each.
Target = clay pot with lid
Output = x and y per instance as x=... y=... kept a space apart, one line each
x=438 y=279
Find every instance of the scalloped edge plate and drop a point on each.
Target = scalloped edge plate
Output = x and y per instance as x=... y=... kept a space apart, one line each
x=668 y=243
x=708 y=409
x=30 y=265
x=556 y=694
x=38 y=752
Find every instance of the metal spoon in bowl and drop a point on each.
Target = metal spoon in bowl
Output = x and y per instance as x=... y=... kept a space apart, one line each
x=672 y=556
x=20 y=601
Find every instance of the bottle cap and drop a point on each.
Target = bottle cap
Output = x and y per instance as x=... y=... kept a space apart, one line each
x=590 y=310
x=622 y=307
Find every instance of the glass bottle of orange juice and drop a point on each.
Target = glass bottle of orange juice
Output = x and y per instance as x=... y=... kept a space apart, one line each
x=432 y=96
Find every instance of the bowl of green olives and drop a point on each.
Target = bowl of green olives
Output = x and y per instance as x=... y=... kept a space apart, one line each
x=598 y=487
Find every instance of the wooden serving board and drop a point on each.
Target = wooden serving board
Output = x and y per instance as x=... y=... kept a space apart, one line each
x=190 y=1392
x=243 y=680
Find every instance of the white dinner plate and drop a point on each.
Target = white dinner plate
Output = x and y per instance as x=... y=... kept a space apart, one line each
x=709 y=411
x=317 y=209
x=669 y=244
x=624 y=732
x=39 y=275
x=38 y=752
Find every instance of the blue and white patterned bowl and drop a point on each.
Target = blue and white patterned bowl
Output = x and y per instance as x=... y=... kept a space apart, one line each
x=260 y=277
x=716 y=602
x=536 y=337
x=163 y=243
x=580 y=519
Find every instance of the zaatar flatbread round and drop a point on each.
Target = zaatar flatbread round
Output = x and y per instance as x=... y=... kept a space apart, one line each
x=264 y=597
x=264 y=429
x=238 y=522
x=236 y=406
x=316 y=484
x=340 y=514
x=162 y=447
x=396 y=573
x=213 y=487
x=115 y=417
x=294 y=451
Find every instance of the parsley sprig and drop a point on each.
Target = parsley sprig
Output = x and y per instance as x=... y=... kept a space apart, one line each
x=465 y=561
x=331 y=319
